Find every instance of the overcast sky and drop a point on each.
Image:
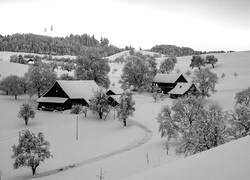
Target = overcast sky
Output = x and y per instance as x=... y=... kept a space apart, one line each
x=200 y=24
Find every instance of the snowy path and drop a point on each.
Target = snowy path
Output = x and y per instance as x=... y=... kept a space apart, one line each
x=146 y=138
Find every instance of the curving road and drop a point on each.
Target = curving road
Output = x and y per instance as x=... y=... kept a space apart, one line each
x=146 y=138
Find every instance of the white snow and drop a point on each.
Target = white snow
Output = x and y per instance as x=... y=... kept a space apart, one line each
x=120 y=151
x=226 y=162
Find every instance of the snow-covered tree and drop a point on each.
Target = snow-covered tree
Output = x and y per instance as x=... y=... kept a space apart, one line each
x=68 y=66
x=157 y=93
x=40 y=78
x=13 y=85
x=93 y=67
x=167 y=65
x=30 y=151
x=167 y=126
x=240 y=121
x=26 y=112
x=206 y=81
x=126 y=106
x=99 y=103
x=211 y=59
x=197 y=61
x=243 y=97
x=138 y=72
x=197 y=128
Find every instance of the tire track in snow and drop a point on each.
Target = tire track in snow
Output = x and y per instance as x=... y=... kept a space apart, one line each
x=145 y=139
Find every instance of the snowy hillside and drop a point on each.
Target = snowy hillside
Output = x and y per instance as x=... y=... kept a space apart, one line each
x=7 y=69
x=226 y=162
x=124 y=152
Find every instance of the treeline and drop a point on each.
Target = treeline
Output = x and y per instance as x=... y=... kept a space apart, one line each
x=69 y=45
x=172 y=50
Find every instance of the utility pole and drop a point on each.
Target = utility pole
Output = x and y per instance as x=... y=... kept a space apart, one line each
x=101 y=175
x=77 y=127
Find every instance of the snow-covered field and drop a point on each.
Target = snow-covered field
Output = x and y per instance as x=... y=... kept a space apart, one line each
x=124 y=152
x=229 y=161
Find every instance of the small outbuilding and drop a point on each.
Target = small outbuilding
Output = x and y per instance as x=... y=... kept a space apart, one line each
x=65 y=93
x=167 y=82
x=114 y=96
x=182 y=89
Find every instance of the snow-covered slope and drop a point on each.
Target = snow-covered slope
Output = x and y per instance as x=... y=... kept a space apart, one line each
x=7 y=69
x=226 y=162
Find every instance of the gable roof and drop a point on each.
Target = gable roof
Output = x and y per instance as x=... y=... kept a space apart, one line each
x=181 y=88
x=167 y=78
x=78 y=89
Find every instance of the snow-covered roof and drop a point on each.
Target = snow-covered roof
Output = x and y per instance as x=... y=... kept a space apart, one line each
x=52 y=99
x=77 y=89
x=166 y=78
x=181 y=88
x=116 y=97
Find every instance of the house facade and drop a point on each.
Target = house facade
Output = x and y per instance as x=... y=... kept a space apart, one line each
x=65 y=93
x=167 y=82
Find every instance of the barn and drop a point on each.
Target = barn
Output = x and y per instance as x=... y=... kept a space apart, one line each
x=65 y=93
x=167 y=82
x=182 y=89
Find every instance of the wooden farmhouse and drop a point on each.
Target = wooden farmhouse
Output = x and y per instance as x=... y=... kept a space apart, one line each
x=65 y=93
x=182 y=89
x=167 y=82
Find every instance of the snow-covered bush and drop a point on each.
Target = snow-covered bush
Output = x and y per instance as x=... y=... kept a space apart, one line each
x=26 y=112
x=78 y=109
x=223 y=75
x=30 y=151
x=126 y=107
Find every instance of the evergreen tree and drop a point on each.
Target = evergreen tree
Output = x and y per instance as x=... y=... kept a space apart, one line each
x=31 y=150
x=126 y=107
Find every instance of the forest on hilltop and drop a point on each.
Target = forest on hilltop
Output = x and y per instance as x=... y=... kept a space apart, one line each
x=172 y=50
x=69 y=45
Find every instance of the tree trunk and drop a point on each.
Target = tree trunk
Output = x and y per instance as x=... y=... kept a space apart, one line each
x=33 y=171
x=26 y=121
x=15 y=97
x=124 y=122
x=38 y=92
x=100 y=115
